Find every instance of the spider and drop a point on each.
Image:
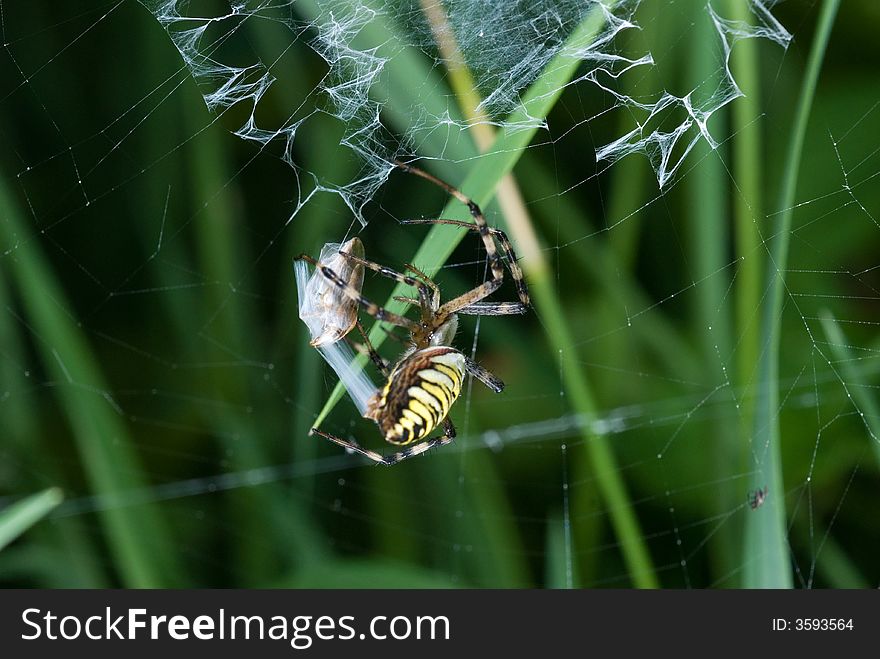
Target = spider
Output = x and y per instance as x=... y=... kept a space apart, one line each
x=421 y=387
x=757 y=497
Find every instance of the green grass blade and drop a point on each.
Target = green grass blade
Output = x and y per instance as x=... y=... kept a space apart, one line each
x=602 y=463
x=21 y=515
x=706 y=187
x=489 y=169
x=26 y=444
x=747 y=205
x=559 y=570
x=747 y=209
x=137 y=536
x=491 y=521
x=766 y=529
x=517 y=218
x=858 y=389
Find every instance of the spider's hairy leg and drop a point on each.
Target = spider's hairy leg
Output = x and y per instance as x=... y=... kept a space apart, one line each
x=375 y=456
x=479 y=221
x=494 y=309
x=435 y=300
x=484 y=376
x=409 y=169
x=516 y=272
x=389 y=332
x=371 y=308
x=479 y=308
x=471 y=297
x=447 y=437
x=425 y=294
x=377 y=359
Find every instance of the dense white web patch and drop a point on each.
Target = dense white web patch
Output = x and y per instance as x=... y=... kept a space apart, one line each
x=667 y=146
x=504 y=45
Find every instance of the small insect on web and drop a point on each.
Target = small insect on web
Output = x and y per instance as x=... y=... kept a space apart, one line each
x=421 y=387
x=757 y=497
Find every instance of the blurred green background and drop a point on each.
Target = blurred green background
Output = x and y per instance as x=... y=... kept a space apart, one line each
x=153 y=369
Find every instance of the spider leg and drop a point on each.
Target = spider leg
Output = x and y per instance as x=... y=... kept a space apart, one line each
x=425 y=293
x=494 y=309
x=378 y=360
x=464 y=303
x=435 y=300
x=390 y=332
x=488 y=236
x=375 y=456
x=447 y=437
x=379 y=313
x=479 y=221
x=484 y=376
x=470 y=298
x=512 y=261
x=479 y=308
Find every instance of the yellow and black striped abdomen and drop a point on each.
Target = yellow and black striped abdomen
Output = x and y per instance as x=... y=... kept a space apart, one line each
x=419 y=393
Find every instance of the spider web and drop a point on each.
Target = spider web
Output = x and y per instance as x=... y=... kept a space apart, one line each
x=167 y=159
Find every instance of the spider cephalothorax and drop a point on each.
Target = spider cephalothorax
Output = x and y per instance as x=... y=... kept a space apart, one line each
x=422 y=386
